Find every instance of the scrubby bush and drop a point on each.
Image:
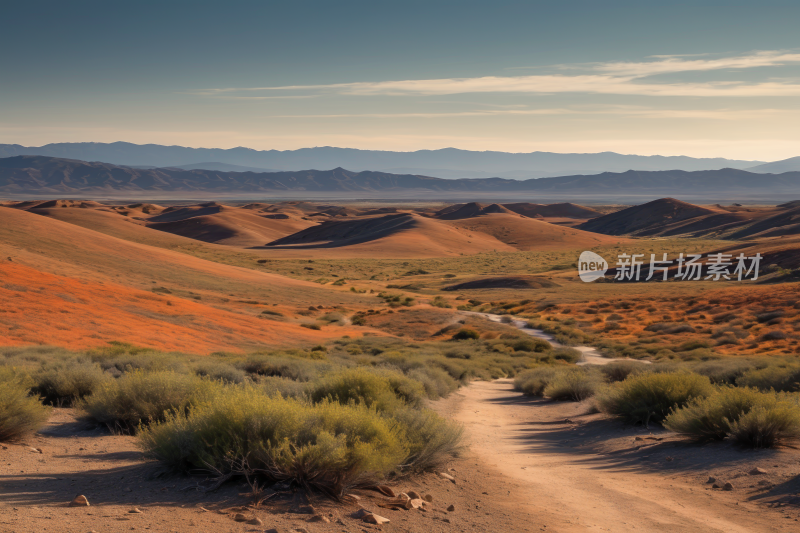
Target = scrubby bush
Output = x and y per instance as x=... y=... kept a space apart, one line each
x=534 y=381
x=573 y=383
x=780 y=377
x=529 y=344
x=120 y=358
x=383 y=390
x=144 y=397
x=711 y=418
x=649 y=397
x=670 y=328
x=620 y=370
x=725 y=371
x=297 y=368
x=218 y=370
x=327 y=446
x=766 y=426
x=437 y=382
x=466 y=334
x=62 y=383
x=570 y=355
x=431 y=440
x=20 y=413
x=285 y=387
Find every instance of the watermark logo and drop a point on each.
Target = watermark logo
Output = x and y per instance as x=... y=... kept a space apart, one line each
x=591 y=267
x=688 y=267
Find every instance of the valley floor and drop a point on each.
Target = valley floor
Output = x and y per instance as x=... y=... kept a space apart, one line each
x=533 y=465
x=582 y=472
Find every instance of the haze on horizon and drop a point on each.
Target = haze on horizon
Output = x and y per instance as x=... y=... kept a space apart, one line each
x=505 y=76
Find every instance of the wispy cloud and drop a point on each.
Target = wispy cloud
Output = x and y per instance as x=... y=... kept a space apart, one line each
x=633 y=111
x=620 y=78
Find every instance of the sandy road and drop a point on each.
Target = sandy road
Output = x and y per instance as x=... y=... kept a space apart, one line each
x=573 y=484
x=589 y=354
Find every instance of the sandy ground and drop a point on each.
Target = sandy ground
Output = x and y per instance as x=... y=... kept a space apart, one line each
x=583 y=472
x=533 y=465
x=35 y=489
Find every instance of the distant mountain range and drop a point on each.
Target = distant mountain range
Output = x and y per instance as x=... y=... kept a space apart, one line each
x=48 y=175
x=446 y=163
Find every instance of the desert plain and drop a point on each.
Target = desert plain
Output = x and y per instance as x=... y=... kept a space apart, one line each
x=396 y=366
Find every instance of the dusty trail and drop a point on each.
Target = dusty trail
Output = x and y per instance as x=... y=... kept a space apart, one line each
x=572 y=475
x=589 y=354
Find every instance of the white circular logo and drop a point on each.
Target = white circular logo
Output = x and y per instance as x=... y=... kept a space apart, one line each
x=591 y=266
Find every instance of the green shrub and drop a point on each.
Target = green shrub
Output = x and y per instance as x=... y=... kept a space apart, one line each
x=570 y=355
x=620 y=370
x=62 y=383
x=117 y=361
x=431 y=440
x=287 y=388
x=530 y=344
x=297 y=368
x=782 y=378
x=219 y=371
x=466 y=334
x=383 y=390
x=437 y=382
x=573 y=383
x=711 y=418
x=766 y=426
x=327 y=446
x=20 y=413
x=649 y=397
x=144 y=397
x=725 y=371
x=533 y=382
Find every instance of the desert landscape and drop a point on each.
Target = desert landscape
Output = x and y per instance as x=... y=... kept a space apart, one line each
x=411 y=267
x=418 y=366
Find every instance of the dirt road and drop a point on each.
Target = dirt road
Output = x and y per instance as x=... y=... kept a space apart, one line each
x=582 y=472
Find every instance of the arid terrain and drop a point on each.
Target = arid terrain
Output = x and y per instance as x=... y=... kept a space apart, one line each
x=274 y=302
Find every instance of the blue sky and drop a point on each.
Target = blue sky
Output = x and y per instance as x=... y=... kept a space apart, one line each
x=694 y=78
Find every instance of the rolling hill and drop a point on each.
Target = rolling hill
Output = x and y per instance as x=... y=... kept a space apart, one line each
x=106 y=288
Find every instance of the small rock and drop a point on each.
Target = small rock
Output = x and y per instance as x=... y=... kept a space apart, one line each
x=354 y=497
x=727 y=486
x=447 y=520
x=300 y=530
x=414 y=495
x=711 y=479
x=764 y=482
x=79 y=501
x=255 y=522
x=757 y=471
x=34 y=450
x=416 y=503
x=428 y=498
x=669 y=458
x=385 y=490
x=240 y=518
x=318 y=518
x=375 y=519
x=304 y=509
x=451 y=508
x=135 y=510
x=716 y=486
x=638 y=438
x=448 y=477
